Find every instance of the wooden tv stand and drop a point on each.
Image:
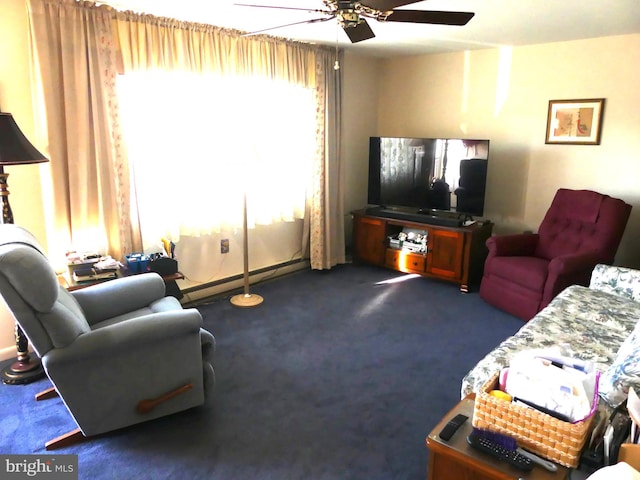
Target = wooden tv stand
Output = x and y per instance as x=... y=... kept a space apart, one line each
x=455 y=254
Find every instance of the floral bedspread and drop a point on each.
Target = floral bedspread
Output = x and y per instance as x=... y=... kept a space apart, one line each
x=587 y=323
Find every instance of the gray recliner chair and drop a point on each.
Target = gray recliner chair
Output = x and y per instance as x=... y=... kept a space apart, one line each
x=117 y=353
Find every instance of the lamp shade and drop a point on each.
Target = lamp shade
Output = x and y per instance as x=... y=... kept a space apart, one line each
x=15 y=149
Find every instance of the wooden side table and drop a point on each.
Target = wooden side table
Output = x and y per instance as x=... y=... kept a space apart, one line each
x=455 y=459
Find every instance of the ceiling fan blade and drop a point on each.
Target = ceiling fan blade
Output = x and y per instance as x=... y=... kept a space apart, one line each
x=430 y=16
x=313 y=20
x=312 y=10
x=385 y=5
x=362 y=31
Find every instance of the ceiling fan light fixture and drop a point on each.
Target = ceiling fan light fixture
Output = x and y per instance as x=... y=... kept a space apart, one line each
x=348 y=18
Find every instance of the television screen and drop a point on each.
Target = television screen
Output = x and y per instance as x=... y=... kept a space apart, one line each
x=418 y=174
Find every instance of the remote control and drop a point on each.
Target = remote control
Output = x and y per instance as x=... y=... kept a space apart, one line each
x=452 y=426
x=498 y=451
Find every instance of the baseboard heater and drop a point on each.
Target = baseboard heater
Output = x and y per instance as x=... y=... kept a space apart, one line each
x=240 y=276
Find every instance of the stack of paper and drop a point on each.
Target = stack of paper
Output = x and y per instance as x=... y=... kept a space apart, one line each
x=560 y=386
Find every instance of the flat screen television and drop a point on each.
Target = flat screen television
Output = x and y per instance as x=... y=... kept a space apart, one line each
x=428 y=174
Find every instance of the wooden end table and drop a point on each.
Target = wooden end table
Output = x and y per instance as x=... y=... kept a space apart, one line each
x=169 y=280
x=455 y=459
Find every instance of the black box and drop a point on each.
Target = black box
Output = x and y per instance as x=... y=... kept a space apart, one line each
x=164 y=266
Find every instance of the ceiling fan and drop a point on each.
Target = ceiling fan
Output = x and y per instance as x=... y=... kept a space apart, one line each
x=352 y=15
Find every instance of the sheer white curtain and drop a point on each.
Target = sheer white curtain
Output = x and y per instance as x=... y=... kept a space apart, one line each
x=248 y=112
x=210 y=139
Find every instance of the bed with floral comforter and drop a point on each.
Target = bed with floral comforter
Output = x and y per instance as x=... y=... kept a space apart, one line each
x=596 y=324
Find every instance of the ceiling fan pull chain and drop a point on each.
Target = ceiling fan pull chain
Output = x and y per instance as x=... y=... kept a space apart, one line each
x=336 y=64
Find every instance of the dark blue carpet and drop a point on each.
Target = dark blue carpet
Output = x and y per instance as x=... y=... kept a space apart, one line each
x=334 y=376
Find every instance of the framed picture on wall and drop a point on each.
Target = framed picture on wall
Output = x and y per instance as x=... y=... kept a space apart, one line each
x=575 y=122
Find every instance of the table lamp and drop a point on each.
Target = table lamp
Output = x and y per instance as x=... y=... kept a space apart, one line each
x=15 y=149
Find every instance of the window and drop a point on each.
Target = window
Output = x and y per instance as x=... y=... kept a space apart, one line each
x=197 y=142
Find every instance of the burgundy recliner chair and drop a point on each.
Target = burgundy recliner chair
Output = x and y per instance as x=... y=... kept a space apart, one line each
x=524 y=272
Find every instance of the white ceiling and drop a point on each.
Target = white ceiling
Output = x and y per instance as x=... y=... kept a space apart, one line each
x=496 y=22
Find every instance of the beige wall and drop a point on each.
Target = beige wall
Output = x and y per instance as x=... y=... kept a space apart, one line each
x=503 y=94
x=15 y=98
x=360 y=119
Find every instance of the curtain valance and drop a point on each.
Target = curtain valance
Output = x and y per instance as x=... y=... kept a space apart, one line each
x=149 y=43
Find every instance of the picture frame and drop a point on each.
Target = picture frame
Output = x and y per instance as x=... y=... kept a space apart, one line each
x=575 y=122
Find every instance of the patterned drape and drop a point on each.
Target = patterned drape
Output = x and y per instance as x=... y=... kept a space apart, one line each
x=326 y=199
x=75 y=57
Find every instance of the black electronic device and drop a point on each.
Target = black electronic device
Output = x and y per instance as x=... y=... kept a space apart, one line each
x=429 y=177
x=443 y=219
x=452 y=426
x=163 y=265
x=499 y=451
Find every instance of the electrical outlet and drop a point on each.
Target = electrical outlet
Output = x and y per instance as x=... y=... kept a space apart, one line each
x=224 y=245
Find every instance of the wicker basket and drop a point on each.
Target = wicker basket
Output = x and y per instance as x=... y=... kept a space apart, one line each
x=558 y=441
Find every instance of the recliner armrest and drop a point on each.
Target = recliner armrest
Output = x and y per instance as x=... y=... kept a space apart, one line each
x=566 y=270
x=574 y=263
x=119 y=296
x=521 y=244
x=134 y=334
